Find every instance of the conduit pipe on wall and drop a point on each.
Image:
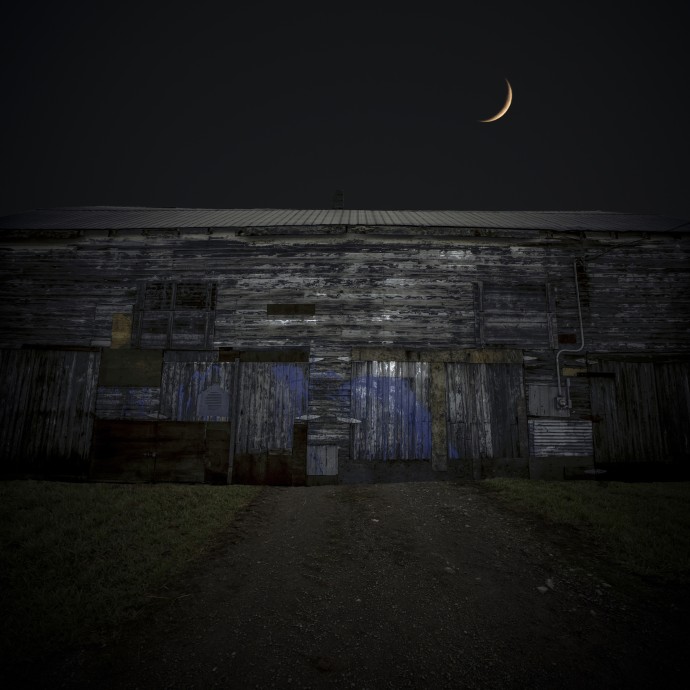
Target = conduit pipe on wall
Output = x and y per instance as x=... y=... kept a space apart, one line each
x=561 y=400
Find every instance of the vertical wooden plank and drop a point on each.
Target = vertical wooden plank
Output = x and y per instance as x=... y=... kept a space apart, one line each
x=235 y=416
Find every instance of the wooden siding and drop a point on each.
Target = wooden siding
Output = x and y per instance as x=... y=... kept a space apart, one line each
x=184 y=383
x=411 y=290
x=46 y=413
x=272 y=396
x=392 y=400
x=114 y=402
x=640 y=410
x=329 y=398
x=322 y=460
x=486 y=414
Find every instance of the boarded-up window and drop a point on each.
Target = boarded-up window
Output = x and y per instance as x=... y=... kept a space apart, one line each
x=175 y=314
x=512 y=314
x=391 y=400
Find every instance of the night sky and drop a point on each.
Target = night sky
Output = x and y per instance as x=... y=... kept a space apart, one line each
x=206 y=105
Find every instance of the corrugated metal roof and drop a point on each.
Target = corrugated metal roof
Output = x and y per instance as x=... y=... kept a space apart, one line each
x=121 y=218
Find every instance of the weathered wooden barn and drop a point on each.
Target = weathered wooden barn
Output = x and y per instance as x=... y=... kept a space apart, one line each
x=292 y=347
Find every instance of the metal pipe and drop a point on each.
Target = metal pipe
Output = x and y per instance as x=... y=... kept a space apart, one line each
x=563 y=402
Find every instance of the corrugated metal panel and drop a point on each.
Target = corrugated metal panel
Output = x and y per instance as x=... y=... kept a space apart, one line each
x=46 y=414
x=151 y=218
x=560 y=437
x=485 y=407
x=392 y=401
x=271 y=398
x=183 y=387
x=116 y=402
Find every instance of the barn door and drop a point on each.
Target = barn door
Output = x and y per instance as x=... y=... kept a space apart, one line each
x=47 y=410
x=272 y=396
x=391 y=402
x=486 y=415
x=641 y=410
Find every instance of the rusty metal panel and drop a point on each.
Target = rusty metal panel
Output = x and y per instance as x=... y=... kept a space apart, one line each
x=568 y=437
x=322 y=460
x=392 y=400
x=115 y=402
x=272 y=395
x=46 y=424
x=485 y=412
x=196 y=391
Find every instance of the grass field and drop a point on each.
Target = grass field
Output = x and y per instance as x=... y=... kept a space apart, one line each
x=77 y=559
x=644 y=527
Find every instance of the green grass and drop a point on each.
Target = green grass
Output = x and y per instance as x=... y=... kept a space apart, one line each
x=644 y=527
x=78 y=559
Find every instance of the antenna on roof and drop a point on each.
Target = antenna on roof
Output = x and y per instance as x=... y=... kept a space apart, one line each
x=339 y=199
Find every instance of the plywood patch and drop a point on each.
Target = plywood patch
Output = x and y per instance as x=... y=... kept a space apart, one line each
x=121 y=331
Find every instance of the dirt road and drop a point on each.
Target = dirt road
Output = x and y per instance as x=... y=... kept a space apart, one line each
x=429 y=585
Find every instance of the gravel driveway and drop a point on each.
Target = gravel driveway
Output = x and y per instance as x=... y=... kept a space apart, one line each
x=424 y=585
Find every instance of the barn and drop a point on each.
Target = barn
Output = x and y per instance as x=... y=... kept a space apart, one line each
x=298 y=347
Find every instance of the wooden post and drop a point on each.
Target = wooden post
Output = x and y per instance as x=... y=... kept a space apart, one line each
x=439 y=432
x=234 y=417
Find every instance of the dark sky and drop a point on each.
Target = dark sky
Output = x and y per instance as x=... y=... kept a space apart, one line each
x=206 y=105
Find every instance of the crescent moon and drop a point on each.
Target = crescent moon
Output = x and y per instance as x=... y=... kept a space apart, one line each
x=505 y=107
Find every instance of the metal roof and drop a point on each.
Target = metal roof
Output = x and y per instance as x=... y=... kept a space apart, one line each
x=122 y=218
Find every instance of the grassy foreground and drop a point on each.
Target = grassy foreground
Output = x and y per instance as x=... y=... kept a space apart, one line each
x=77 y=559
x=643 y=527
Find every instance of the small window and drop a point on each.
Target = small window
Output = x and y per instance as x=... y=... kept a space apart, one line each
x=175 y=314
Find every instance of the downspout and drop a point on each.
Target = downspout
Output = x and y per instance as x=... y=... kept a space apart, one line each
x=564 y=400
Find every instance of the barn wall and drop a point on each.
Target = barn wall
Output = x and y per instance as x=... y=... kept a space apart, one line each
x=413 y=290
x=193 y=300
